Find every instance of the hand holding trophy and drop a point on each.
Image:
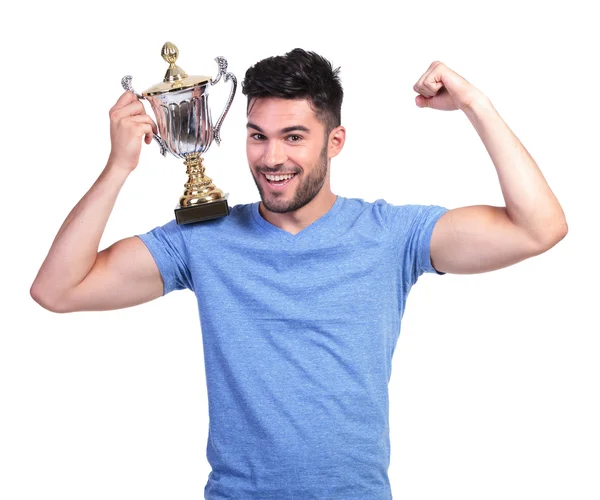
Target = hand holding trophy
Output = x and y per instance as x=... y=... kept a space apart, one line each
x=185 y=129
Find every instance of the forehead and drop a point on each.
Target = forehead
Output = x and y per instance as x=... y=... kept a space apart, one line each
x=275 y=112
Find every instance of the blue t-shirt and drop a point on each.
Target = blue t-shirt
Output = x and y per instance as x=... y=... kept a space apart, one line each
x=298 y=335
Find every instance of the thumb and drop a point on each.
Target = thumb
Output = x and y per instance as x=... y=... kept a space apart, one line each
x=422 y=102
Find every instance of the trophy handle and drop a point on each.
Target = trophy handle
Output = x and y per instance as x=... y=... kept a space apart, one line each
x=126 y=84
x=222 y=62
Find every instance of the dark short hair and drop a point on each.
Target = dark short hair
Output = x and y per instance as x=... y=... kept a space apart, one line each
x=299 y=74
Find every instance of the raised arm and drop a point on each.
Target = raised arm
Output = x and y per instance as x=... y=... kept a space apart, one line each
x=481 y=238
x=75 y=276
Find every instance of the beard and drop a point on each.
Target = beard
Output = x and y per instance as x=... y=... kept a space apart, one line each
x=308 y=188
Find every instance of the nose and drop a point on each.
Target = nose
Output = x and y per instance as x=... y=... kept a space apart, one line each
x=274 y=154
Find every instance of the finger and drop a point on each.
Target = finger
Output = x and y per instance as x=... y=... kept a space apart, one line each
x=424 y=90
x=145 y=118
x=419 y=87
x=430 y=83
x=431 y=87
x=132 y=109
x=435 y=81
x=144 y=129
x=126 y=98
x=423 y=86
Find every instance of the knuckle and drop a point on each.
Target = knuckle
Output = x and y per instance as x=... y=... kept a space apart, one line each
x=115 y=115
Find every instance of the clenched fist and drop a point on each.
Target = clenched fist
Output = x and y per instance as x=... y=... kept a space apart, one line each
x=129 y=123
x=441 y=88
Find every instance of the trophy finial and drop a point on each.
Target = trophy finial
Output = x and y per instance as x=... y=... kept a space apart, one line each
x=170 y=53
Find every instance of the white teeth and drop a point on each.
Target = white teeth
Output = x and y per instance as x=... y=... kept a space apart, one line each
x=279 y=177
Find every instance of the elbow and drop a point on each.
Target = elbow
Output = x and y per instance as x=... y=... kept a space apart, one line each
x=560 y=233
x=46 y=300
x=552 y=237
x=563 y=231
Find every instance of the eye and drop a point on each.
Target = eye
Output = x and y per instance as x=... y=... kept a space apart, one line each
x=294 y=138
x=257 y=136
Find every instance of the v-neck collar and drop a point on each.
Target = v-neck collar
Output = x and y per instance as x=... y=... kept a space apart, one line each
x=272 y=228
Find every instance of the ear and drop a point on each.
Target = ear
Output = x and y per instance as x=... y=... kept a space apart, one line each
x=337 y=138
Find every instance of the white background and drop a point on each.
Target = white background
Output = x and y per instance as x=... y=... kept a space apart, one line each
x=495 y=381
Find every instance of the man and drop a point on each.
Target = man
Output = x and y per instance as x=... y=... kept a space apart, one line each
x=300 y=295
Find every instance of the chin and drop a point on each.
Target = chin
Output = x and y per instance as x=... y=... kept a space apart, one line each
x=277 y=206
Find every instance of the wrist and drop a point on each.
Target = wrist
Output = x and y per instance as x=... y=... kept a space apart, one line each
x=479 y=105
x=118 y=164
x=116 y=170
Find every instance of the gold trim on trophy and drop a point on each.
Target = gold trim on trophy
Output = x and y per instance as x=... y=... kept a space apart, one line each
x=175 y=78
x=199 y=188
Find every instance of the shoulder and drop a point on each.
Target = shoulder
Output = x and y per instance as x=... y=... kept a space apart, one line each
x=360 y=205
x=378 y=209
x=239 y=215
x=393 y=215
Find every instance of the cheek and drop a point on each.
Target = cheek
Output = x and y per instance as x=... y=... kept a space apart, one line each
x=300 y=154
x=253 y=152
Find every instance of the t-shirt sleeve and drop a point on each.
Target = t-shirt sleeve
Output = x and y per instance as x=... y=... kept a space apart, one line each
x=411 y=228
x=167 y=245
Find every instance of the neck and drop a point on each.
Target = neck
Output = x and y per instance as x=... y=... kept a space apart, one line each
x=296 y=221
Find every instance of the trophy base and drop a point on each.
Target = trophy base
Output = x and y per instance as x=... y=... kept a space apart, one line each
x=202 y=211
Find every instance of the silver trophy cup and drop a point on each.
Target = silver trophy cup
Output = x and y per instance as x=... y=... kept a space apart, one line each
x=180 y=105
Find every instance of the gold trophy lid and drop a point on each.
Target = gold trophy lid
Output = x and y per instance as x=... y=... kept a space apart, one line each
x=175 y=78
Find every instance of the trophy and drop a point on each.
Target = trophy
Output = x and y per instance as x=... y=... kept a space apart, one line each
x=180 y=105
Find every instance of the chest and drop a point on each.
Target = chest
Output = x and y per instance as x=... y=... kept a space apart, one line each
x=337 y=278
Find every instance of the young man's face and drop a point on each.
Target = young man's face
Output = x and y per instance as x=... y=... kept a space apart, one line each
x=286 y=139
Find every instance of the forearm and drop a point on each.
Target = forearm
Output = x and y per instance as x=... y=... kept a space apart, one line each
x=530 y=203
x=75 y=246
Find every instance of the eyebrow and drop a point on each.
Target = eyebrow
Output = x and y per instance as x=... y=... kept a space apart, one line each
x=285 y=130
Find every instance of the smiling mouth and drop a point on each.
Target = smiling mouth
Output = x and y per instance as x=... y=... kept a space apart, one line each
x=279 y=179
